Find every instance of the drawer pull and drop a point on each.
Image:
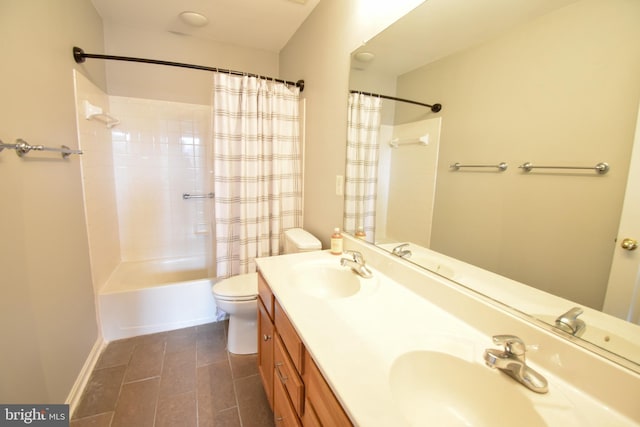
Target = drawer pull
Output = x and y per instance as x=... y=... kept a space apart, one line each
x=283 y=379
x=266 y=337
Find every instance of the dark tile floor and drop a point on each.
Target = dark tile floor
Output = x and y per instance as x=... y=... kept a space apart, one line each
x=179 y=378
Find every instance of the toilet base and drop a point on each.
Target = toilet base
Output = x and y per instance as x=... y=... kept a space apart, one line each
x=242 y=337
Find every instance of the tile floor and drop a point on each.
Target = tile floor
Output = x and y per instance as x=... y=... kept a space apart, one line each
x=179 y=378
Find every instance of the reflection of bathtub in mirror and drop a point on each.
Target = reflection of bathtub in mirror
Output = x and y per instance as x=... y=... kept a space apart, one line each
x=608 y=333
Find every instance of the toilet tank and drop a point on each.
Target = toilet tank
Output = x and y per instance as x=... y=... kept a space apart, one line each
x=299 y=240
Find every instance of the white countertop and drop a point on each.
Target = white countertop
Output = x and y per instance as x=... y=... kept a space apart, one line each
x=355 y=340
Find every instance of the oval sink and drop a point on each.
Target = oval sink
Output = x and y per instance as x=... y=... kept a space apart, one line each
x=325 y=280
x=433 y=388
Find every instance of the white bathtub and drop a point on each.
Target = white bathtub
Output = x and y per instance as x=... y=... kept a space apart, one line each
x=154 y=296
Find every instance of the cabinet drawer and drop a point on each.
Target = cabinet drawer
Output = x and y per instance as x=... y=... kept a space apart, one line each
x=309 y=417
x=289 y=336
x=264 y=291
x=283 y=413
x=286 y=373
x=327 y=409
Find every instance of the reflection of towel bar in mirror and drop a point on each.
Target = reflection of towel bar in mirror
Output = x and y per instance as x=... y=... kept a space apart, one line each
x=601 y=167
x=501 y=166
x=22 y=147
x=422 y=140
x=94 y=112
x=198 y=196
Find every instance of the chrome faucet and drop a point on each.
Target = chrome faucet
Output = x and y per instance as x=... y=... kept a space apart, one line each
x=356 y=262
x=569 y=322
x=400 y=251
x=512 y=362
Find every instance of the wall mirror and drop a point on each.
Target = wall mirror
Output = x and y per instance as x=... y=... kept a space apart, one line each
x=549 y=82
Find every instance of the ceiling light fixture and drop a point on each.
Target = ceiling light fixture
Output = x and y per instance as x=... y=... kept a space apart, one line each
x=194 y=19
x=365 y=56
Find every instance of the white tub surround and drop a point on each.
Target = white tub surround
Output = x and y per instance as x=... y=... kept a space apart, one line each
x=155 y=296
x=356 y=339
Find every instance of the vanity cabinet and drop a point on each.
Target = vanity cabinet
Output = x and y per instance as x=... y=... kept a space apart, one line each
x=266 y=302
x=295 y=387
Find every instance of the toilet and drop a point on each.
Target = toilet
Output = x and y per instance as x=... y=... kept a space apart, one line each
x=238 y=296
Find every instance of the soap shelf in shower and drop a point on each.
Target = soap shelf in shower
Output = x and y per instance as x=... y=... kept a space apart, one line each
x=94 y=112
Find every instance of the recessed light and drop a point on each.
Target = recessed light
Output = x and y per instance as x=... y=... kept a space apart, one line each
x=194 y=19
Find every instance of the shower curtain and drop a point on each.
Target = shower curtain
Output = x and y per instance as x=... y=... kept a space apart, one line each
x=257 y=170
x=361 y=178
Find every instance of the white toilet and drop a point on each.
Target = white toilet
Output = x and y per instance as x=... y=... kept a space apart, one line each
x=238 y=296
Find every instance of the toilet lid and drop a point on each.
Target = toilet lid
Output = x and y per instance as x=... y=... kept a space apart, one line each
x=243 y=286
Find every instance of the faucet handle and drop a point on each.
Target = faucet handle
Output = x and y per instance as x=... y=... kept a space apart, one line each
x=512 y=344
x=398 y=248
x=357 y=256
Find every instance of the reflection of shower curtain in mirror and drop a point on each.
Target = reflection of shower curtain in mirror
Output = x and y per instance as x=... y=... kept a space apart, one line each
x=257 y=169
x=362 y=164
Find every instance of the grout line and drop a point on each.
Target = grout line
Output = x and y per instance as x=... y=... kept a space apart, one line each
x=155 y=409
x=233 y=382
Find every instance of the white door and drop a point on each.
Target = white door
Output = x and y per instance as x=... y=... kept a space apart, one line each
x=623 y=291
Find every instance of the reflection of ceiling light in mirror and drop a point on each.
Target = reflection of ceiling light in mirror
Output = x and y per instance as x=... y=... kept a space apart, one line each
x=194 y=19
x=365 y=56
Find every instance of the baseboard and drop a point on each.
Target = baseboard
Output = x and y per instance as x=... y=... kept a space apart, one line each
x=73 y=399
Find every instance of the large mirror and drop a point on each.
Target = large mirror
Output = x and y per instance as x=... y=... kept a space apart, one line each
x=549 y=82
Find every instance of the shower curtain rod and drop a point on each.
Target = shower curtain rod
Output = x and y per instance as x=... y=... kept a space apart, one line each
x=435 y=107
x=79 y=55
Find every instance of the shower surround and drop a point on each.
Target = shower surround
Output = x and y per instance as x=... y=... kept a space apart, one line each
x=134 y=176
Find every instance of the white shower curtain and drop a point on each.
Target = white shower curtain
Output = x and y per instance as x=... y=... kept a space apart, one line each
x=257 y=177
x=361 y=179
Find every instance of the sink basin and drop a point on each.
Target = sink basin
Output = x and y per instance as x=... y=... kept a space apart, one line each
x=432 y=388
x=325 y=280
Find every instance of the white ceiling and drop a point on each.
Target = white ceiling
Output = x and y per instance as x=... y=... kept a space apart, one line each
x=258 y=24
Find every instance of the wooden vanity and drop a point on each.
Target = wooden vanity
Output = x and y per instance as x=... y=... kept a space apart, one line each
x=295 y=387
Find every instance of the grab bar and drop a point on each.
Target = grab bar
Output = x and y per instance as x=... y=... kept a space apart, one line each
x=22 y=147
x=601 y=167
x=502 y=166
x=198 y=196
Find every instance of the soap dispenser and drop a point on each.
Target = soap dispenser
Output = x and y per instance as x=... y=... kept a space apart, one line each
x=336 y=242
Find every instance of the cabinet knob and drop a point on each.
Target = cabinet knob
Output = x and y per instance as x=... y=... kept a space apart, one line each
x=266 y=337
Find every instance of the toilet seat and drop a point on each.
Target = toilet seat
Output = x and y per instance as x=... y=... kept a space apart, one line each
x=243 y=287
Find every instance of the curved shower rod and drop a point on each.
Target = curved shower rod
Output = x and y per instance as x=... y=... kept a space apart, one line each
x=434 y=108
x=80 y=56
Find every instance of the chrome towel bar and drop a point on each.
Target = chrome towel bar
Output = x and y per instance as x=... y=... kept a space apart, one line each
x=601 y=167
x=22 y=147
x=198 y=196
x=501 y=166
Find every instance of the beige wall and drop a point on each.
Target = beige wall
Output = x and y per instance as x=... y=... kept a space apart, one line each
x=172 y=83
x=319 y=53
x=562 y=90
x=47 y=311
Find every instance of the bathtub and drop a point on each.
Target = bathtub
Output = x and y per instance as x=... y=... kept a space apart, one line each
x=154 y=296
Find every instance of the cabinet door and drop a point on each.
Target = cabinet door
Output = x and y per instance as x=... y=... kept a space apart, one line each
x=326 y=408
x=265 y=351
